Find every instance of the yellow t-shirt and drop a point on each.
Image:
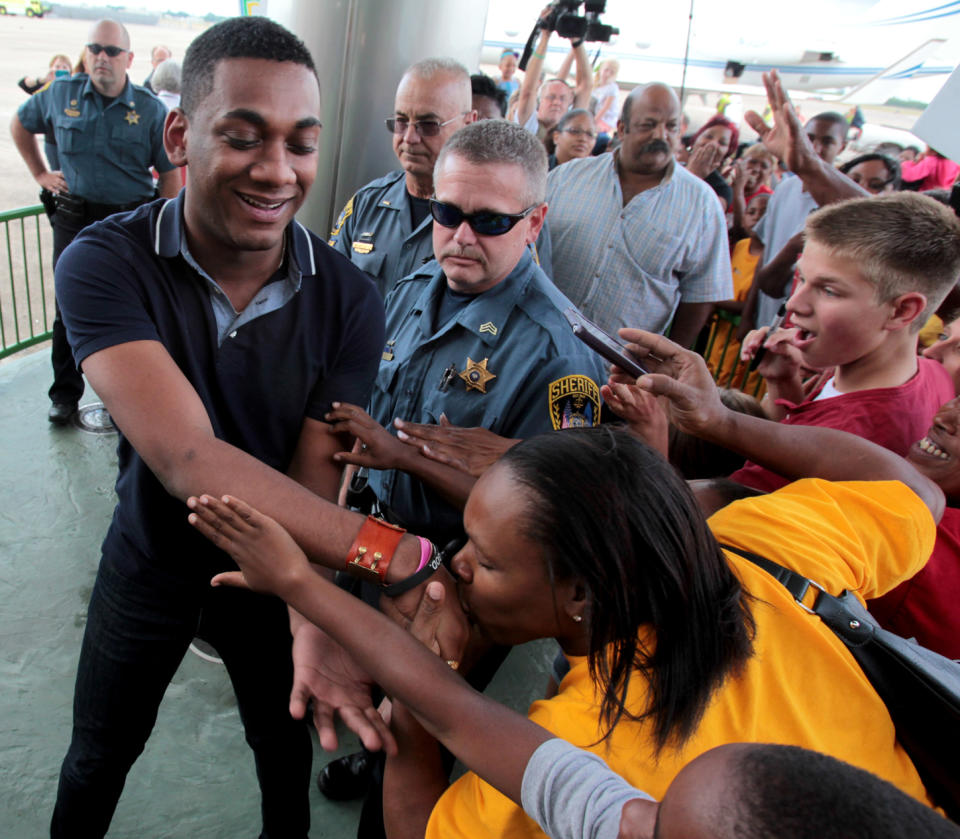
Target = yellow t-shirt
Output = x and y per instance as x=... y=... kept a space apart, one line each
x=801 y=687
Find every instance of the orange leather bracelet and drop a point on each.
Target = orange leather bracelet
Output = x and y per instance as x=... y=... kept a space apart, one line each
x=371 y=552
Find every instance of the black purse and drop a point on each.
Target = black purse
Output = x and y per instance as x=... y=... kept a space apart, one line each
x=920 y=688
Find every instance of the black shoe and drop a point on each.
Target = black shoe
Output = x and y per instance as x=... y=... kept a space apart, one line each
x=346 y=778
x=60 y=413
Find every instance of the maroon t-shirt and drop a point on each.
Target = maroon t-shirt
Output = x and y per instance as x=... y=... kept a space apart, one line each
x=892 y=417
x=927 y=606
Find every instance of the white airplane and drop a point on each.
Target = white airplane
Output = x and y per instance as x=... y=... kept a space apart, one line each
x=860 y=51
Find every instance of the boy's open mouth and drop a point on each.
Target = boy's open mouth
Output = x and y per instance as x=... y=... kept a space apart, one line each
x=803 y=338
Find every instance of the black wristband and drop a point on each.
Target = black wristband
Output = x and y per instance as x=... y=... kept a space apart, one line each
x=428 y=570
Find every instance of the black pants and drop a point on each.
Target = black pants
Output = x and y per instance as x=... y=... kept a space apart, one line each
x=67 y=384
x=137 y=632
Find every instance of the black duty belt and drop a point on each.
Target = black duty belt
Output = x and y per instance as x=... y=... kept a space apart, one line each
x=86 y=212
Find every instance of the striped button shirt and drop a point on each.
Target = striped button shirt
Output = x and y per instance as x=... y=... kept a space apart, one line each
x=633 y=265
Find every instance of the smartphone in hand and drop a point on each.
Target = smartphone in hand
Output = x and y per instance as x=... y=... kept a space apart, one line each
x=600 y=342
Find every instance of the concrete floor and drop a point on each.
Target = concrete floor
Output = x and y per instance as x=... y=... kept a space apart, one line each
x=195 y=779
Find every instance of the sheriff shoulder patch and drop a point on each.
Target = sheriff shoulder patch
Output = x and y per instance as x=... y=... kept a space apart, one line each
x=344 y=215
x=574 y=402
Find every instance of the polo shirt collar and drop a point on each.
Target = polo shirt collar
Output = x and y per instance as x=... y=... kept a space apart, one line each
x=488 y=311
x=168 y=232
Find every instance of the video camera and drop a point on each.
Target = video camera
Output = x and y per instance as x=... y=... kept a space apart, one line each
x=563 y=19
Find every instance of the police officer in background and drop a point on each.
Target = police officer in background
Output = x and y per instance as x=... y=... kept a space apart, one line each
x=478 y=336
x=385 y=227
x=109 y=133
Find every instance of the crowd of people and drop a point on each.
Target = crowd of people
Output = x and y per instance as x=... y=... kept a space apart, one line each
x=415 y=464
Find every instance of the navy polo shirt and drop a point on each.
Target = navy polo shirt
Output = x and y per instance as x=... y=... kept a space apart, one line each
x=126 y=279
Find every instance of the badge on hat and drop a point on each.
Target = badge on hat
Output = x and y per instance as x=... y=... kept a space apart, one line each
x=132 y=118
x=365 y=243
x=476 y=375
x=574 y=402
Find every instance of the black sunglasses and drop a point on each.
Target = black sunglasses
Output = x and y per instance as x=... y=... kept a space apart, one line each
x=110 y=49
x=484 y=223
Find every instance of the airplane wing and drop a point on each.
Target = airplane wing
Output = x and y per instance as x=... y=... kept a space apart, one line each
x=888 y=82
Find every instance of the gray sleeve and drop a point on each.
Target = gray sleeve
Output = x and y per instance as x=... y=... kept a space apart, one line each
x=573 y=794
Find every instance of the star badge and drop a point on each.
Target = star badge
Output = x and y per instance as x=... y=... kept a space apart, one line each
x=132 y=118
x=477 y=375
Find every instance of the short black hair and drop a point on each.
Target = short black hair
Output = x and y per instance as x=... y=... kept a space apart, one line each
x=795 y=793
x=237 y=37
x=482 y=85
x=833 y=118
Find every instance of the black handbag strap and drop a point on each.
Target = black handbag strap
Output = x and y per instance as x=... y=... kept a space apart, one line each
x=844 y=614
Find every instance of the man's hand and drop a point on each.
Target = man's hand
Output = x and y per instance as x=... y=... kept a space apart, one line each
x=692 y=399
x=376 y=448
x=52 y=182
x=470 y=450
x=324 y=674
x=787 y=139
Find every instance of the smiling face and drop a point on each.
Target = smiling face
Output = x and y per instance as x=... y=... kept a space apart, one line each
x=508 y=66
x=836 y=309
x=473 y=263
x=251 y=145
x=108 y=75
x=503 y=582
x=937 y=455
x=576 y=139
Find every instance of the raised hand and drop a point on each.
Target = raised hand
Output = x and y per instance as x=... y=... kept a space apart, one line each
x=787 y=139
x=270 y=561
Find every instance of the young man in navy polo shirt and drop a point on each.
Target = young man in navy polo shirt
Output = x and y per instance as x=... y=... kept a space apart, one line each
x=218 y=332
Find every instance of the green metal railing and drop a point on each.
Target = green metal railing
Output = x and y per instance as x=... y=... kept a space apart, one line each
x=738 y=375
x=27 y=296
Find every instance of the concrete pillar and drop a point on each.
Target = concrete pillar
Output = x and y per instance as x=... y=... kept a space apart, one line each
x=361 y=48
